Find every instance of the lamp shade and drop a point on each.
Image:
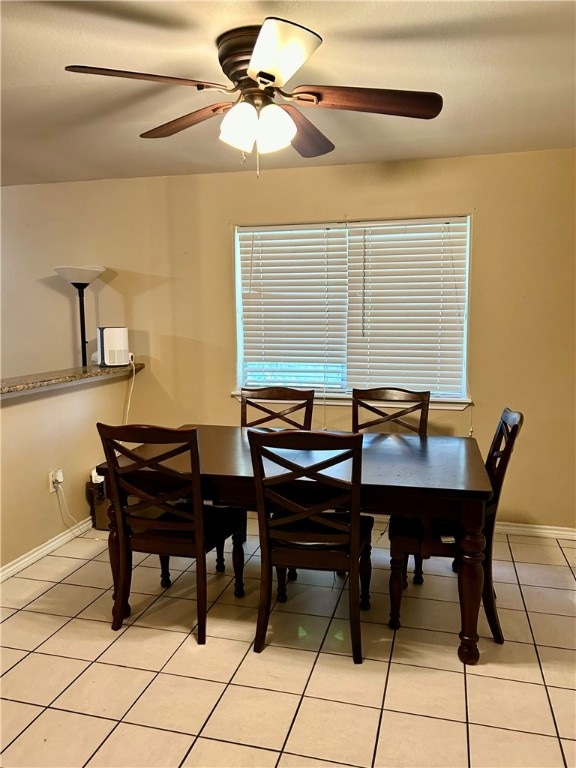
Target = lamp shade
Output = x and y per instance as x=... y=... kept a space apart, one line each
x=276 y=129
x=84 y=275
x=239 y=126
x=281 y=49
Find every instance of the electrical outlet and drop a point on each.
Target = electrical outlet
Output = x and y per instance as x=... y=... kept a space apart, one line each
x=55 y=479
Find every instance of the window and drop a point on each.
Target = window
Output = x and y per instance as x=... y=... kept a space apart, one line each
x=361 y=304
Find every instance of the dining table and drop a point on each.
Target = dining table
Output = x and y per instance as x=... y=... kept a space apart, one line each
x=402 y=474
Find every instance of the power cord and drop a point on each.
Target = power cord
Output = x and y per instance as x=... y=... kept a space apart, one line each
x=471 y=429
x=129 y=398
x=58 y=485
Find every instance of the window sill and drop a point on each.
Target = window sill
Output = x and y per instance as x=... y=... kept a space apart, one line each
x=346 y=400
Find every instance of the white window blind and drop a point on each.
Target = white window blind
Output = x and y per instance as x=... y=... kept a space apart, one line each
x=361 y=304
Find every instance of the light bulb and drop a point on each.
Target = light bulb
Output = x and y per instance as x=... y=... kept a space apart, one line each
x=276 y=129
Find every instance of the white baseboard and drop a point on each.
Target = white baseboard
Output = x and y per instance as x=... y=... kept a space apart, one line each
x=44 y=549
x=541 y=531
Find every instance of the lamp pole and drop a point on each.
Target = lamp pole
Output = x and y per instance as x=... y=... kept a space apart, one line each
x=83 y=342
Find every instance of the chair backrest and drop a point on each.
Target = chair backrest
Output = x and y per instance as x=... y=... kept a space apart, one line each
x=403 y=401
x=143 y=485
x=298 y=476
x=271 y=401
x=501 y=449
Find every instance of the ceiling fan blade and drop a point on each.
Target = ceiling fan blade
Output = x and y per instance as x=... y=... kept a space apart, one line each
x=200 y=84
x=280 y=50
x=187 y=121
x=309 y=141
x=422 y=104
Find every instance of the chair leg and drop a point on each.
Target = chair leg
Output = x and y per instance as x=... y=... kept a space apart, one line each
x=121 y=608
x=292 y=574
x=165 y=580
x=201 y=597
x=418 y=575
x=489 y=601
x=264 y=607
x=365 y=578
x=113 y=550
x=395 y=589
x=220 y=566
x=354 y=610
x=238 y=563
x=281 y=578
x=405 y=572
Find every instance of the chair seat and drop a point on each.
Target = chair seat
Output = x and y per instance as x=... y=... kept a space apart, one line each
x=311 y=528
x=222 y=521
x=219 y=523
x=414 y=527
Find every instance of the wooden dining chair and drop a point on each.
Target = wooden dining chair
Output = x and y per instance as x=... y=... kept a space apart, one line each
x=301 y=478
x=158 y=509
x=428 y=537
x=390 y=406
x=272 y=402
x=280 y=406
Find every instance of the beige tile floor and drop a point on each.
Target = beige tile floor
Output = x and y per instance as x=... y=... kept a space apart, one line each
x=75 y=693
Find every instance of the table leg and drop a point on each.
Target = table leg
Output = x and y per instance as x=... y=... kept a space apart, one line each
x=470 y=583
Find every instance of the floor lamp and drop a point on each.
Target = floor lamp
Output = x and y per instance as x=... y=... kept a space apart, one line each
x=80 y=278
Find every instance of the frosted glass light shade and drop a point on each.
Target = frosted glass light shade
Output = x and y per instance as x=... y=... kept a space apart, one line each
x=239 y=126
x=276 y=129
x=85 y=275
x=281 y=49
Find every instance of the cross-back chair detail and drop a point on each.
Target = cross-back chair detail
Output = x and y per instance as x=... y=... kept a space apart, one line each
x=308 y=501
x=426 y=537
x=404 y=402
x=271 y=401
x=366 y=414
x=155 y=488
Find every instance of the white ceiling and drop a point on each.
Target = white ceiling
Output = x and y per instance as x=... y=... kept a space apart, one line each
x=506 y=71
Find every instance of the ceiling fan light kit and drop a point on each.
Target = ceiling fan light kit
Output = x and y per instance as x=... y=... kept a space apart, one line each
x=258 y=61
x=270 y=128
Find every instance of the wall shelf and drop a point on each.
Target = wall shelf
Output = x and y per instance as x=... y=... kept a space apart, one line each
x=36 y=383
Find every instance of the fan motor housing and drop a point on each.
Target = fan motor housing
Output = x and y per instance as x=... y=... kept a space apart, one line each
x=235 y=51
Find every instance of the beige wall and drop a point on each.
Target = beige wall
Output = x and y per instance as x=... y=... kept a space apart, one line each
x=39 y=434
x=168 y=247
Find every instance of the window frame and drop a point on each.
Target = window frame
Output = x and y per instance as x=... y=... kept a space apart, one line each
x=457 y=257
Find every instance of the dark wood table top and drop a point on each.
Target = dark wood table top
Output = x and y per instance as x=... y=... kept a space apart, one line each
x=400 y=464
x=394 y=466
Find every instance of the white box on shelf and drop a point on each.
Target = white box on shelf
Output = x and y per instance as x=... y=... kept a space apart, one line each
x=113 y=348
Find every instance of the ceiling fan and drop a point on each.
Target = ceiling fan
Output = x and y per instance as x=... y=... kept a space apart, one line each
x=258 y=60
